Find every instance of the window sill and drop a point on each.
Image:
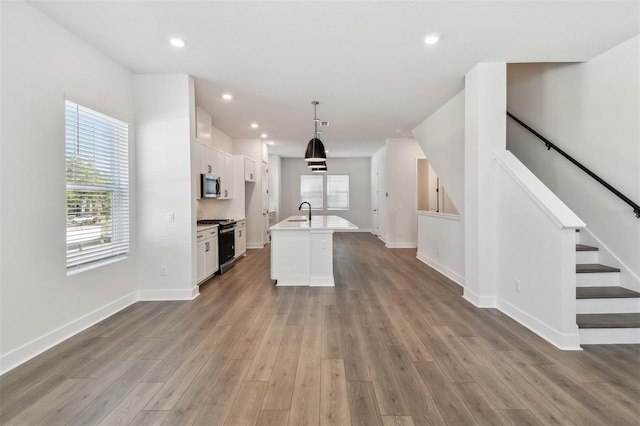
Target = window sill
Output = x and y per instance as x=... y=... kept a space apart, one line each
x=83 y=268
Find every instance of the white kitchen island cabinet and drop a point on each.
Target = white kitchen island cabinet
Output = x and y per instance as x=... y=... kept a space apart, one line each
x=302 y=252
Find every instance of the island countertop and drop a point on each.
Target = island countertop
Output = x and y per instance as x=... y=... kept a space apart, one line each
x=318 y=222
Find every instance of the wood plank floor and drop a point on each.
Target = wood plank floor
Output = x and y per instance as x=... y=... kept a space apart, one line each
x=394 y=343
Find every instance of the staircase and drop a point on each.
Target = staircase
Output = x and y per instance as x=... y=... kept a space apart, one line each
x=606 y=312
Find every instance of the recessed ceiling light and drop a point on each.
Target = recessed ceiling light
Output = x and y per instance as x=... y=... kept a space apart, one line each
x=269 y=142
x=227 y=96
x=432 y=39
x=254 y=125
x=264 y=135
x=177 y=42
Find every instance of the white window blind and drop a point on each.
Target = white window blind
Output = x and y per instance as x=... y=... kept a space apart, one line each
x=311 y=190
x=337 y=192
x=97 y=154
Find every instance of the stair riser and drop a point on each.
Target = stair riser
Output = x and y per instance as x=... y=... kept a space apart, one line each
x=609 y=336
x=607 y=306
x=599 y=279
x=586 y=257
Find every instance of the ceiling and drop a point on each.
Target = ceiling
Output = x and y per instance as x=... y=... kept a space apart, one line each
x=364 y=61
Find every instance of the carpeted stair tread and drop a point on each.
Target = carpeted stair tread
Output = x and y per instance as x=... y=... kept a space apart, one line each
x=608 y=320
x=582 y=268
x=613 y=292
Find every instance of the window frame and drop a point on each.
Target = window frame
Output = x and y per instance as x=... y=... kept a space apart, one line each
x=348 y=192
x=97 y=187
x=302 y=194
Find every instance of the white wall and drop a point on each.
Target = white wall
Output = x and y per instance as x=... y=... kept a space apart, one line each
x=485 y=122
x=41 y=64
x=534 y=254
x=441 y=137
x=254 y=149
x=165 y=131
x=591 y=110
x=359 y=188
x=441 y=242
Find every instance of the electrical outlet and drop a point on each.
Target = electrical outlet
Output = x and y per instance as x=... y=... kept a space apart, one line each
x=438 y=249
x=517 y=286
x=171 y=217
x=163 y=271
x=323 y=244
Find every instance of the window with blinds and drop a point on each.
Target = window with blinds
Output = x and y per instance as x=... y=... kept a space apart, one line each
x=311 y=190
x=97 y=169
x=337 y=192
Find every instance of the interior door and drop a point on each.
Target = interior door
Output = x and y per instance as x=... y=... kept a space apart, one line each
x=375 y=203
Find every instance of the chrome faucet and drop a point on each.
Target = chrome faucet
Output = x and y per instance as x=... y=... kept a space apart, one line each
x=300 y=208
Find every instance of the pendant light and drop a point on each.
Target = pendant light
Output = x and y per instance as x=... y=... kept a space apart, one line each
x=315 y=149
x=318 y=166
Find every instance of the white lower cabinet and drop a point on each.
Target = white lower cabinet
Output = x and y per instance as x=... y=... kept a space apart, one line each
x=207 y=254
x=241 y=238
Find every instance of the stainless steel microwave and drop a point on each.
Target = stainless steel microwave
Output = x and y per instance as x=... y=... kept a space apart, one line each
x=209 y=186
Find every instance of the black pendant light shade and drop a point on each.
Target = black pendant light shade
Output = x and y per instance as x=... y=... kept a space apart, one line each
x=315 y=151
x=313 y=164
x=315 y=148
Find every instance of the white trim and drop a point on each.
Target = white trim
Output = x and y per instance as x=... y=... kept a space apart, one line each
x=37 y=346
x=170 y=294
x=479 y=301
x=401 y=245
x=255 y=246
x=564 y=341
x=438 y=215
x=355 y=230
x=548 y=202
x=452 y=275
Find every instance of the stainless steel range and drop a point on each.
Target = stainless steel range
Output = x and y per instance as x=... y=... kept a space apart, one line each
x=226 y=241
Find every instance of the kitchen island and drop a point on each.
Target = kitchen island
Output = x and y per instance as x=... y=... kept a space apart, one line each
x=302 y=251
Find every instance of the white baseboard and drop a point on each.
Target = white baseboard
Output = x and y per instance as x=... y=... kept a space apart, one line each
x=34 y=348
x=401 y=245
x=174 y=294
x=253 y=246
x=564 y=341
x=353 y=230
x=479 y=301
x=452 y=275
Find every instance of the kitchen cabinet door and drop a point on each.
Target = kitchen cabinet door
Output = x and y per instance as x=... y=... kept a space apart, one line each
x=241 y=241
x=211 y=256
x=201 y=273
x=249 y=170
x=208 y=159
x=226 y=177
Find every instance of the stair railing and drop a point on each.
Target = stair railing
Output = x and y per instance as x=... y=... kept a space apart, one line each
x=549 y=145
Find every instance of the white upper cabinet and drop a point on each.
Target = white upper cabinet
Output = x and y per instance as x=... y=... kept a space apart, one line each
x=249 y=170
x=203 y=126
x=226 y=175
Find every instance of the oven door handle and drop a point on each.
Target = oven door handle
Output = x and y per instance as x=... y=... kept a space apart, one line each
x=226 y=231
